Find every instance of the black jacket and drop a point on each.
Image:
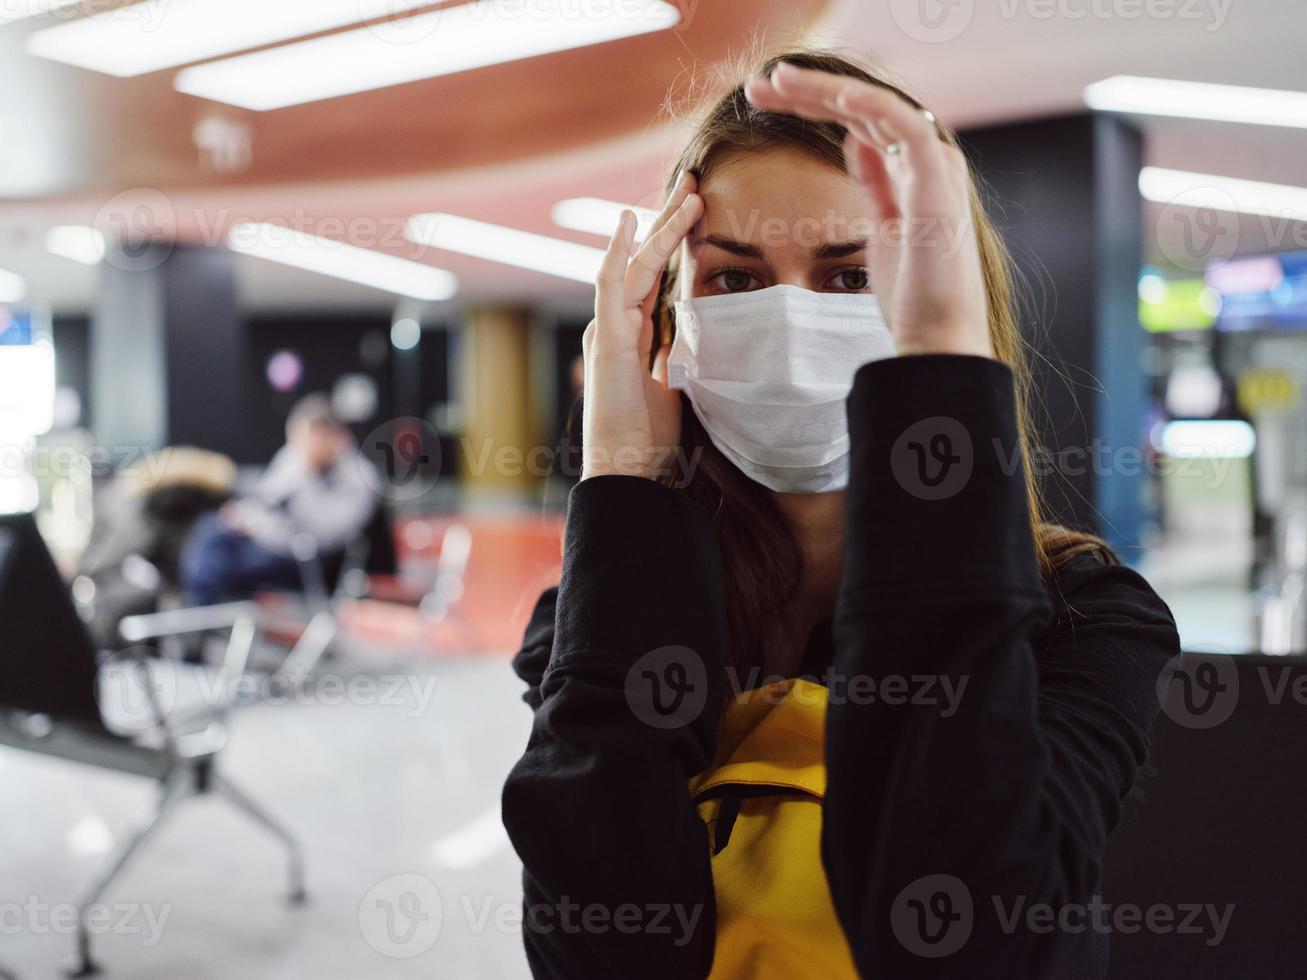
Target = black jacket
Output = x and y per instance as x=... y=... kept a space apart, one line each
x=1012 y=795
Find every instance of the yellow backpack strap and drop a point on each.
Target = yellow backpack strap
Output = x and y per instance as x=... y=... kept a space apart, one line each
x=732 y=796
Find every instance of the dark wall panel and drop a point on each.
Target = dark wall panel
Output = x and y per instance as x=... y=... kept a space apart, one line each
x=408 y=383
x=1063 y=194
x=205 y=346
x=72 y=360
x=328 y=346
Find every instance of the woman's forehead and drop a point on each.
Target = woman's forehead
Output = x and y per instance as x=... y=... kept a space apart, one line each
x=747 y=191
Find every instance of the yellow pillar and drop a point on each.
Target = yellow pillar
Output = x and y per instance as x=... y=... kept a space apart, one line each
x=501 y=444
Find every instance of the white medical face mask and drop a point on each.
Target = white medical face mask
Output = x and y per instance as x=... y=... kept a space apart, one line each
x=768 y=372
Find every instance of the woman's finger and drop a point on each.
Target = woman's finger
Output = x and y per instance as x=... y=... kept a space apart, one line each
x=685 y=185
x=877 y=112
x=819 y=89
x=676 y=230
x=929 y=187
x=610 y=291
x=587 y=342
x=866 y=165
x=659 y=370
x=911 y=130
x=788 y=89
x=652 y=257
x=763 y=93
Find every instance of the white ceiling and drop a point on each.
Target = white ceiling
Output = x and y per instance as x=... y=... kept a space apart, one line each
x=1011 y=60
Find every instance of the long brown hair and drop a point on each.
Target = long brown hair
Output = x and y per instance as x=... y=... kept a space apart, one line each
x=761 y=557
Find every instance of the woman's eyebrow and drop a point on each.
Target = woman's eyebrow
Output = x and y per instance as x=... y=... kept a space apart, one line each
x=829 y=250
x=742 y=249
x=839 y=250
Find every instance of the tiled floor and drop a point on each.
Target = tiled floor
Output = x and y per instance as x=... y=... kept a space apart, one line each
x=395 y=796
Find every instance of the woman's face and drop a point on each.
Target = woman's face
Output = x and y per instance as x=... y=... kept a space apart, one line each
x=778 y=217
x=782 y=217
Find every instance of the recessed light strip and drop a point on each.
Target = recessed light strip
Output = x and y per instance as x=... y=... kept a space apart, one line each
x=523 y=249
x=1186 y=189
x=595 y=216
x=440 y=42
x=278 y=243
x=145 y=37
x=1199 y=100
x=12 y=10
x=77 y=242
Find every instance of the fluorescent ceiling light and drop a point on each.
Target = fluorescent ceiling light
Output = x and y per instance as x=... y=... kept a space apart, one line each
x=12 y=287
x=1183 y=188
x=12 y=10
x=76 y=242
x=598 y=217
x=146 y=37
x=540 y=253
x=440 y=42
x=1198 y=100
x=331 y=258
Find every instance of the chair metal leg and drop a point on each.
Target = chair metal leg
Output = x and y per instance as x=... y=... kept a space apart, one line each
x=310 y=649
x=176 y=787
x=243 y=801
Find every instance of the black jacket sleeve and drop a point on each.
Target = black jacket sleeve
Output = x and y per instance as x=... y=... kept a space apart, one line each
x=949 y=819
x=617 y=874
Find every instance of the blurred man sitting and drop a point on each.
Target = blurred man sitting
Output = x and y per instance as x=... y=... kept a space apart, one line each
x=318 y=490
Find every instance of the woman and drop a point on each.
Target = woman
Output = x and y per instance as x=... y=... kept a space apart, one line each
x=818 y=693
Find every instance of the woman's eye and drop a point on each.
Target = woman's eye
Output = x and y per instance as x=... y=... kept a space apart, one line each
x=851 y=280
x=733 y=280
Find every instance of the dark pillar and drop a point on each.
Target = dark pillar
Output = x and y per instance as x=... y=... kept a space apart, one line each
x=1064 y=194
x=168 y=352
x=129 y=399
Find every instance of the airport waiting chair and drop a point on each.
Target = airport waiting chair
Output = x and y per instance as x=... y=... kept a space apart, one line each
x=1216 y=825
x=122 y=712
x=331 y=577
x=366 y=571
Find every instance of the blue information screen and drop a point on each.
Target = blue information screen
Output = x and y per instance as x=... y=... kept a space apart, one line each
x=15 y=328
x=1281 y=306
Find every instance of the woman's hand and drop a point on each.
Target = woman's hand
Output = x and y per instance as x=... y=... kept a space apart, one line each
x=925 y=263
x=632 y=420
